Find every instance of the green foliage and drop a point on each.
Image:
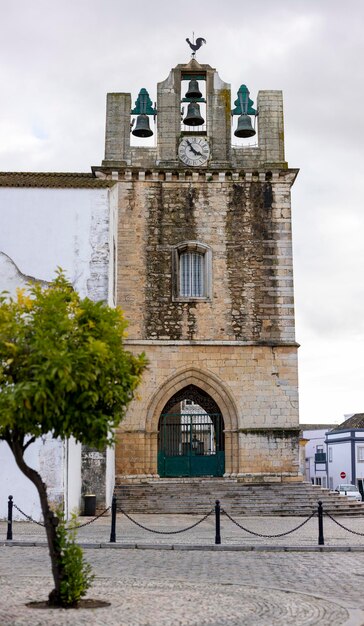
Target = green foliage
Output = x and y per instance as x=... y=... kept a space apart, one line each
x=63 y=368
x=75 y=573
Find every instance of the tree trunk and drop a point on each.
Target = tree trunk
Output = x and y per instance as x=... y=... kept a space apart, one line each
x=50 y=520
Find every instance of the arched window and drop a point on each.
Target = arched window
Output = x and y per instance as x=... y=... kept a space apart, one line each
x=192 y=271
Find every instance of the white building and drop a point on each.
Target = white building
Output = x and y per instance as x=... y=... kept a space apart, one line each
x=48 y=221
x=345 y=452
x=315 y=456
x=334 y=454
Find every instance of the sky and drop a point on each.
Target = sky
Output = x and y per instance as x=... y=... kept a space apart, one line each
x=59 y=59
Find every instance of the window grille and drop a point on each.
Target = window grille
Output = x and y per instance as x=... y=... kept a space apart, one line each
x=192 y=275
x=191 y=271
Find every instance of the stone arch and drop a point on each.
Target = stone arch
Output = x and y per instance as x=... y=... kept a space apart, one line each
x=198 y=395
x=216 y=389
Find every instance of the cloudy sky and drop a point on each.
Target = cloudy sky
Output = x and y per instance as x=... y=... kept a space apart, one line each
x=59 y=59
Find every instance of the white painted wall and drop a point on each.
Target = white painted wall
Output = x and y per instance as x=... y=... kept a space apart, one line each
x=359 y=464
x=113 y=215
x=110 y=475
x=72 y=477
x=44 y=455
x=316 y=438
x=42 y=229
x=341 y=460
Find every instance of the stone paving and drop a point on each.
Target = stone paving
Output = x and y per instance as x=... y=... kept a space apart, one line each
x=129 y=534
x=194 y=587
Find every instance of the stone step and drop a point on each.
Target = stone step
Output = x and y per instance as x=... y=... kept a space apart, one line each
x=198 y=496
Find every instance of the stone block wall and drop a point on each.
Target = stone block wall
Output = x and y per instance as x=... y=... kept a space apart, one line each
x=255 y=388
x=245 y=222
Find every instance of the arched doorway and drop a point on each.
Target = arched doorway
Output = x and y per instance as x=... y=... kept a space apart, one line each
x=191 y=439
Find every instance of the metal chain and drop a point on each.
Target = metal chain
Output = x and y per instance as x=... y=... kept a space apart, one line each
x=354 y=532
x=70 y=528
x=90 y=521
x=166 y=532
x=268 y=536
x=27 y=516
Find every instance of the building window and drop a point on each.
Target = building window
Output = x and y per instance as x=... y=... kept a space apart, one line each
x=360 y=454
x=320 y=455
x=330 y=455
x=191 y=271
x=191 y=275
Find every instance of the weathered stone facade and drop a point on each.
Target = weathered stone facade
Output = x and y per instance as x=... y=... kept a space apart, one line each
x=237 y=342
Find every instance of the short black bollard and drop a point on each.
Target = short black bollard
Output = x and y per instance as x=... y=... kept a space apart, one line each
x=217 y=522
x=113 y=521
x=321 y=540
x=9 y=534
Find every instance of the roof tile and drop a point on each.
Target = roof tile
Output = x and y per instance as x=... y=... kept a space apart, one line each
x=53 y=179
x=355 y=421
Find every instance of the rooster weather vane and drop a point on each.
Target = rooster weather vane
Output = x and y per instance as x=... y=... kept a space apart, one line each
x=195 y=46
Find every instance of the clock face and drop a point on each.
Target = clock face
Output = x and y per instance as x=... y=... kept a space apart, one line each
x=194 y=150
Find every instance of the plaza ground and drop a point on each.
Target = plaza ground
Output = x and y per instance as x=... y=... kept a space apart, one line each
x=184 y=579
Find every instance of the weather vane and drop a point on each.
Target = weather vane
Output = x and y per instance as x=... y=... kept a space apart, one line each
x=195 y=46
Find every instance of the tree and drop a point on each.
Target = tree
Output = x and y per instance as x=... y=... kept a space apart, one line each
x=64 y=371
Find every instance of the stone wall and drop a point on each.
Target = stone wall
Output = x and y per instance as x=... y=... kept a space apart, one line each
x=247 y=225
x=255 y=387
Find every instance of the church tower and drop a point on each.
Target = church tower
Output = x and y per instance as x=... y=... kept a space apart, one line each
x=204 y=274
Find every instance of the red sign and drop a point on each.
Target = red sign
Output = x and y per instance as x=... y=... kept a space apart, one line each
x=342 y=475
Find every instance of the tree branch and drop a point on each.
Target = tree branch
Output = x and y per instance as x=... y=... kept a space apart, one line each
x=28 y=443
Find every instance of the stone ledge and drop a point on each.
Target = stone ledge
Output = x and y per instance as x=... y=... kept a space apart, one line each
x=196 y=547
x=119 y=171
x=212 y=343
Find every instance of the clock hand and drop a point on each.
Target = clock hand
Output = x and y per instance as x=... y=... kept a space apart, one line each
x=192 y=148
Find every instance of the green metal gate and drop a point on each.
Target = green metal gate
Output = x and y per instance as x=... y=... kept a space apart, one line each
x=191 y=444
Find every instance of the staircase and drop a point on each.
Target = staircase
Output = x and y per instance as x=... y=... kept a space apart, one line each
x=198 y=495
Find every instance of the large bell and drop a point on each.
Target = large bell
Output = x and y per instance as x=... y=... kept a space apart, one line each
x=244 y=128
x=142 y=128
x=193 y=90
x=193 y=117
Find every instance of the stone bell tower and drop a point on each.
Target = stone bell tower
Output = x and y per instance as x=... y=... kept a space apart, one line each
x=204 y=275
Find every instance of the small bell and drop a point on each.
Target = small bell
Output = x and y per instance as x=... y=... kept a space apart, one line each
x=142 y=128
x=193 y=117
x=244 y=128
x=193 y=90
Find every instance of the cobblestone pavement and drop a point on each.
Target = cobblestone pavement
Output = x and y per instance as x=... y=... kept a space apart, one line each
x=194 y=587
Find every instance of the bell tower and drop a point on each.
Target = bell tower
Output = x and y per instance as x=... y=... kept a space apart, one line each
x=204 y=275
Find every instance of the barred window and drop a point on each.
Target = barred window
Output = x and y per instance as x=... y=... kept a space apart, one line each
x=192 y=271
x=191 y=275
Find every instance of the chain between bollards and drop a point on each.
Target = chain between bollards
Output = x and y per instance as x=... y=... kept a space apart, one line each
x=321 y=541
x=217 y=523
x=9 y=534
x=113 y=521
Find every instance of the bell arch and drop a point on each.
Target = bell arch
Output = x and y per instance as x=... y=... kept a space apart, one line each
x=212 y=393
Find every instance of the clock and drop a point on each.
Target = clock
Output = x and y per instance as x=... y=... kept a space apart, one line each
x=194 y=150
